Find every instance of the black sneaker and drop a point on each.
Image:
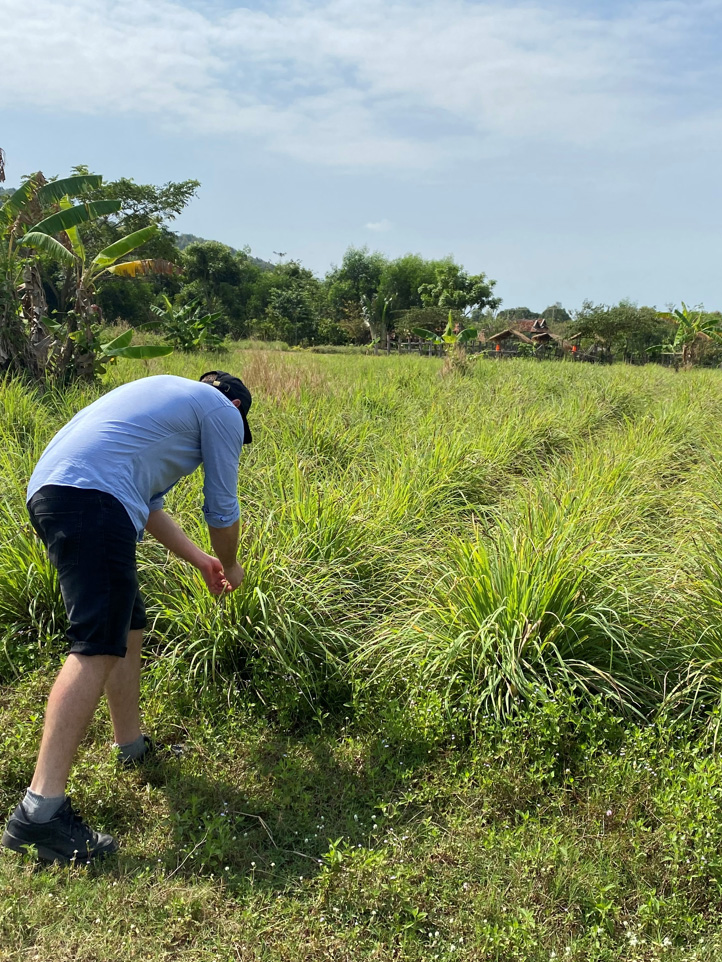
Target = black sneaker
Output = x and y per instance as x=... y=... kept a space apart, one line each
x=65 y=838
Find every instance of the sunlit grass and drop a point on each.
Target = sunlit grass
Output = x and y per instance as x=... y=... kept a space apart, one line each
x=488 y=536
x=440 y=718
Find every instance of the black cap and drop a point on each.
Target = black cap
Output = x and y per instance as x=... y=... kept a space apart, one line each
x=235 y=390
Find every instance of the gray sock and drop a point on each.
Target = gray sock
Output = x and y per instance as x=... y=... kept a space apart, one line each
x=132 y=750
x=41 y=808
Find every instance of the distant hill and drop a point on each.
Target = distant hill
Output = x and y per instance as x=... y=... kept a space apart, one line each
x=183 y=240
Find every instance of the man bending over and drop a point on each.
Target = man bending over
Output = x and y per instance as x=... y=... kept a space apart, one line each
x=99 y=483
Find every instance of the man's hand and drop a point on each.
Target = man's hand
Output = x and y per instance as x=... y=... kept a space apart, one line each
x=224 y=541
x=214 y=576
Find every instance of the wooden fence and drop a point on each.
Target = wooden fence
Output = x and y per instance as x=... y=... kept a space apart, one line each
x=541 y=352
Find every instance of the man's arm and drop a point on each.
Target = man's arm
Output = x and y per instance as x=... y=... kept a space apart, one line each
x=225 y=545
x=172 y=537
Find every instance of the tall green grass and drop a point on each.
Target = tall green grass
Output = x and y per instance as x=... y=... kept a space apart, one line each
x=477 y=541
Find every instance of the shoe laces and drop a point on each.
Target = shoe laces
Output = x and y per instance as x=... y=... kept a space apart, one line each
x=78 y=826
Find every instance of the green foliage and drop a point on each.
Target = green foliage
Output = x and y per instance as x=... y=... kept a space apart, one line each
x=555 y=314
x=223 y=280
x=61 y=344
x=187 y=329
x=454 y=288
x=142 y=205
x=401 y=279
x=516 y=314
x=358 y=277
x=450 y=336
x=292 y=311
x=695 y=329
x=622 y=328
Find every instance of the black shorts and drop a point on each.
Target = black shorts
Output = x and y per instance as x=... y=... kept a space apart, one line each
x=91 y=541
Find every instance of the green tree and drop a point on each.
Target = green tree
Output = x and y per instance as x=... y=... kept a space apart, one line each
x=222 y=280
x=331 y=332
x=516 y=314
x=352 y=290
x=555 y=314
x=401 y=279
x=456 y=289
x=142 y=205
x=622 y=328
x=294 y=304
x=358 y=276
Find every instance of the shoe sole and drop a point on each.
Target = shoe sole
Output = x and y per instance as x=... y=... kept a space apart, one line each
x=49 y=855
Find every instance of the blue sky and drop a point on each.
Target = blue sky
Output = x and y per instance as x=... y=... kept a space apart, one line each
x=570 y=150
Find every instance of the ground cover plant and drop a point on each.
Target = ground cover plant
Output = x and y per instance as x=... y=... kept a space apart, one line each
x=465 y=705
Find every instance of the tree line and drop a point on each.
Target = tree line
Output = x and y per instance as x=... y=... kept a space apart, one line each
x=69 y=268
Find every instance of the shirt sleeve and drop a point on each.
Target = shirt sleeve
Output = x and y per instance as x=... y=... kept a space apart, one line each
x=221 y=444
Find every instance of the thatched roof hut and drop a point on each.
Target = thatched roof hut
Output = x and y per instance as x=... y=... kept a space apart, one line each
x=509 y=333
x=526 y=330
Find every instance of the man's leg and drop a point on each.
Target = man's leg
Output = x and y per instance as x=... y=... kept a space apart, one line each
x=45 y=821
x=122 y=689
x=73 y=699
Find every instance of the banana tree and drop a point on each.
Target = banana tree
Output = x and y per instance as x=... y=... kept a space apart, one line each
x=73 y=344
x=187 y=328
x=693 y=328
x=23 y=339
x=456 y=339
x=369 y=311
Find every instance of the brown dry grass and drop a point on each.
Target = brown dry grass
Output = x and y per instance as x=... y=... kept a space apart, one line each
x=280 y=376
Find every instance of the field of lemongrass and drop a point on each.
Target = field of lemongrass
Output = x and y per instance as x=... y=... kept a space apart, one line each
x=465 y=704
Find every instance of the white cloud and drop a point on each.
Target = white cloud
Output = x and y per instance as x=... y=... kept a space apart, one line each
x=380 y=225
x=395 y=84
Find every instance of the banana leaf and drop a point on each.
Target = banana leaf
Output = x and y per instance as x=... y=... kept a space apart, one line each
x=17 y=201
x=80 y=214
x=48 y=244
x=140 y=351
x=152 y=265
x=468 y=334
x=55 y=190
x=55 y=327
x=123 y=340
x=50 y=193
x=124 y=246
x=426 y=335
x=73 y=236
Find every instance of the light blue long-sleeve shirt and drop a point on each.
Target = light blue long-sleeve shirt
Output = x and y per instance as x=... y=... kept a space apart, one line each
x=138 y=440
